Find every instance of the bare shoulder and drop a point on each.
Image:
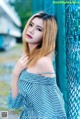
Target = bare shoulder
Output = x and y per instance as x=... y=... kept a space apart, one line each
x=43 y=59
x=45 y=65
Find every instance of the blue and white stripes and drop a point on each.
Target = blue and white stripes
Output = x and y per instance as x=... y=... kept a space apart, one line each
x=39 y=96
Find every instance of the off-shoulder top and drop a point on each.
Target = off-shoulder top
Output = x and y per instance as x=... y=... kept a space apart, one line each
x=38 y=96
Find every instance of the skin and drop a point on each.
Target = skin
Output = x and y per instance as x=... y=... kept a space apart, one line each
x=36 y=31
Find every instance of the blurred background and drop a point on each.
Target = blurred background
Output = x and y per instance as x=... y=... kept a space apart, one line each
x=13 y=17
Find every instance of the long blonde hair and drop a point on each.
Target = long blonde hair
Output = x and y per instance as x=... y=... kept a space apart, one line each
x=48 y=41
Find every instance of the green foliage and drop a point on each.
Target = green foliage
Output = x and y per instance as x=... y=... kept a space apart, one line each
x=24 y=10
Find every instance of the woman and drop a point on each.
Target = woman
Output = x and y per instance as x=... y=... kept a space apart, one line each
x=34 y=86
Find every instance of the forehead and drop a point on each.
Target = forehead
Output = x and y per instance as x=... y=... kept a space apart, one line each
x=37 y=21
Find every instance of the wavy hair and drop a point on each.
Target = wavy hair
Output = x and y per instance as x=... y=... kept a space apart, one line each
x=48 y=41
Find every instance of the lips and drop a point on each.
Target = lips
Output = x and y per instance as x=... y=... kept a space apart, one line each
x=29 y=36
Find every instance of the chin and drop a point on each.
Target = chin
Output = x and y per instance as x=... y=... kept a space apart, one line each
x=27 y=40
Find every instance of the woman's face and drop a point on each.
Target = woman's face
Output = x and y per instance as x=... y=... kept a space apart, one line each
x=34 y=32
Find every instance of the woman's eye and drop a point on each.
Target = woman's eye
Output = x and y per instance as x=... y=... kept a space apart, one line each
x=30 y=24
x=39 y=29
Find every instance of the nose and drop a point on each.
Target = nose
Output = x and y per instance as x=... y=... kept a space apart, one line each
x=32 y=30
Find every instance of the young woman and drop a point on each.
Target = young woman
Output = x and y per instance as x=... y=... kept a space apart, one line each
x=34 y=86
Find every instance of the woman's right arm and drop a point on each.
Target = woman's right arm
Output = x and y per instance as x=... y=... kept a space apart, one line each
x=15 y=99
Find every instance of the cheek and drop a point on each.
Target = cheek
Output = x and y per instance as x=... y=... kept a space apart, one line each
x=27 y=31
x=38 y=36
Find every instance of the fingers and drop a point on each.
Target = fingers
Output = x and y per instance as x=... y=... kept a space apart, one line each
x=24 y=59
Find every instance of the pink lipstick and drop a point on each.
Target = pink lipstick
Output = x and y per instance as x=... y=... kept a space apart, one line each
x=29 y=36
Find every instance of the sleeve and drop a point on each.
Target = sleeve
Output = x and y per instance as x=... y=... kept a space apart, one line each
x=15 y=103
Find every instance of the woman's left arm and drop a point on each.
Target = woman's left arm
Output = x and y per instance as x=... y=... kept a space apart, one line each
x=16 y=102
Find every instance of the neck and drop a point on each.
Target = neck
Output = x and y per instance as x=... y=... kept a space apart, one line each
x=32 y=46
x=50 y=55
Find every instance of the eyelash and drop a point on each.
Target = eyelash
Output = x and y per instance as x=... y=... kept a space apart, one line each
x=30 y=24
x=37 y=28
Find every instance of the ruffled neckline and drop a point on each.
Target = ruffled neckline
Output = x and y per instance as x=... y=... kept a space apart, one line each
x=36 y=78
x=37 y=75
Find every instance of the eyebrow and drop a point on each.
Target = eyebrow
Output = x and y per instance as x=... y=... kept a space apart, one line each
x=37 y=25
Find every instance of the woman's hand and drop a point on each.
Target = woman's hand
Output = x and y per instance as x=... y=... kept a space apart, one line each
x=20 y=66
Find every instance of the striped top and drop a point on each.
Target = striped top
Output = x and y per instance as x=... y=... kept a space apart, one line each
x=39 y=96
